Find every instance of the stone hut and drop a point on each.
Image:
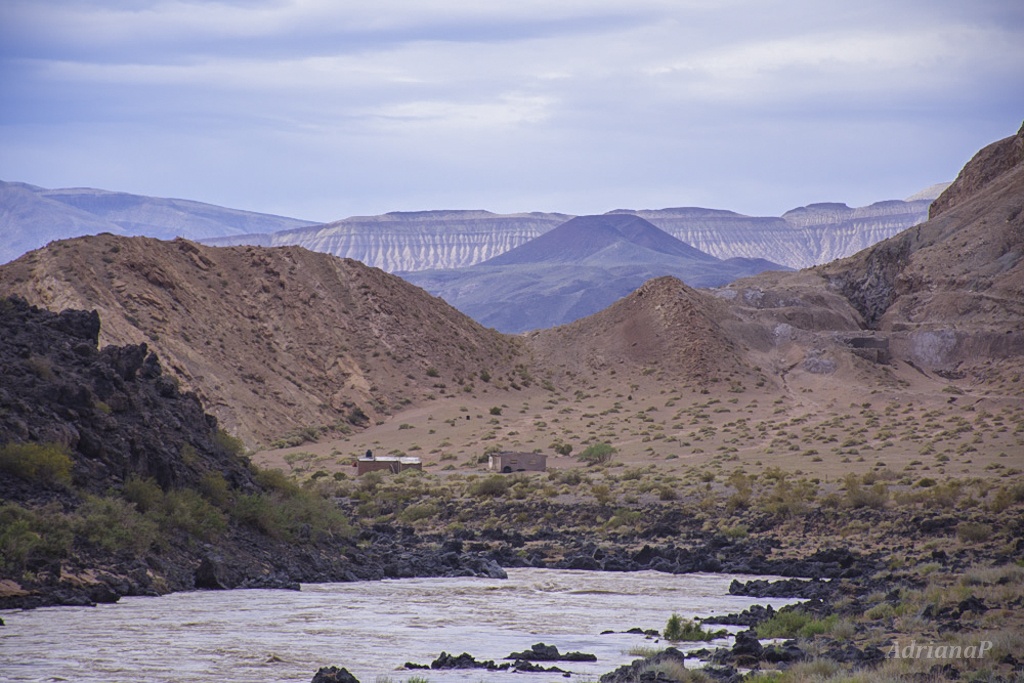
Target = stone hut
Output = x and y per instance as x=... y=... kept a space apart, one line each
x=510 y=461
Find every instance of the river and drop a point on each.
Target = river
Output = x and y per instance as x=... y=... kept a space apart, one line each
x=370 y=628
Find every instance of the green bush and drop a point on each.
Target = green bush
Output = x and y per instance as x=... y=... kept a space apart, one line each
x=493 y=486
x=857 y=496
x=186 y=509
x=794 y=623
x=302 y=516
x=215 y=489
x=229 y=443
x=597 y=454
x=115 y=524
x=27 y=535
x=40 y=462
x=276 y=480
x=414 y=513
x=144 y=493
x=973 y=532
x=258 y=511
x=562 y=448
x=309 y=516
x=678 y=629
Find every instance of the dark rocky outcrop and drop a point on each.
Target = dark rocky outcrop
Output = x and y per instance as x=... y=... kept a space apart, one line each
x=646 y=670
x=332 y=674
x=110 y=417
x=540 y=652
x=750 y=617
x=112 y=410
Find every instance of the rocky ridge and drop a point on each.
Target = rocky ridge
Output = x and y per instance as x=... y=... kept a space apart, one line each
x=272 y=340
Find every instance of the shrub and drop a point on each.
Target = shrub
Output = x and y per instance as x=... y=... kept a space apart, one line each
x=230 y=444
x=414 y=513
x=494 y=486
x=793 y=623
x=973 y=532
x=187 y=510
x=310 y=515
x=31 y=535
x=678 y=629
x=40 y=462
x=144 y=493
x=602 y=493
x=495 y=410
x=276 y=480
x=215 y=489
x=597 y=454
x=256 y=510
x=857 y=496
x=114 y=524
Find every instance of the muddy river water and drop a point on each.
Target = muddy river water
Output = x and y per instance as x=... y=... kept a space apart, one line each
x=370 y=628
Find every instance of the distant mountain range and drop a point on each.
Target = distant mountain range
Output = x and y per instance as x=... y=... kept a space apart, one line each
x=430 y=240
x=577 y=269
x=31 y=216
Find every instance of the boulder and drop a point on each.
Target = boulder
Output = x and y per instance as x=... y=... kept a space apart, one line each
x=332 y=674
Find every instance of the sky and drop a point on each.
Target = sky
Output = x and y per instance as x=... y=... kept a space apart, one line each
x=323 y=109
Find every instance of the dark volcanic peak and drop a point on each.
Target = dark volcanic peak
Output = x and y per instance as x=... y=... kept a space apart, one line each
x=113 y=410
x=586 y=237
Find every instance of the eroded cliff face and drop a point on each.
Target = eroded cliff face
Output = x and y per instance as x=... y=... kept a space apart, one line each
x=800 y=238
x=445 y=240
x=412 y=241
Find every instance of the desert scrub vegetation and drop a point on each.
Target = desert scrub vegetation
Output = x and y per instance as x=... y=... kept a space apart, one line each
x=493 y=486
x=287 y=511
x=597 y=454
x=33 y=537
x=140 y=516
x=678 y=629
x=46 y=463
x=791 y=622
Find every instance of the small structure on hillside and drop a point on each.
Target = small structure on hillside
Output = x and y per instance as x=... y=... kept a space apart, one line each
x=387 y=463
x=510 y=461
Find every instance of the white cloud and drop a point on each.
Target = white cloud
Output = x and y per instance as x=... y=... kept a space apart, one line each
x=584 y=100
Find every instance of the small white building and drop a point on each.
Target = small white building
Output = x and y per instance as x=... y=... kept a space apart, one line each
x=389 y=463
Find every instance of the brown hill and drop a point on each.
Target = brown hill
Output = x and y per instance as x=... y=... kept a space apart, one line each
x=950 y=292
x=272 y=340
x=663 y=326
x=946 y=296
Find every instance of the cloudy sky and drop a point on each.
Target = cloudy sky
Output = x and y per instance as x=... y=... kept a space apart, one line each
x=321 y=109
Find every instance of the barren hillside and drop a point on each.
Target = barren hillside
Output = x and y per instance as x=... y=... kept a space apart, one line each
x=663 y=328
x=946 y=296
x=273 y=340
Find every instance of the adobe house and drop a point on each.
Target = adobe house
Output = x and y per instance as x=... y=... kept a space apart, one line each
x=509 y=461
x=387 y=463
